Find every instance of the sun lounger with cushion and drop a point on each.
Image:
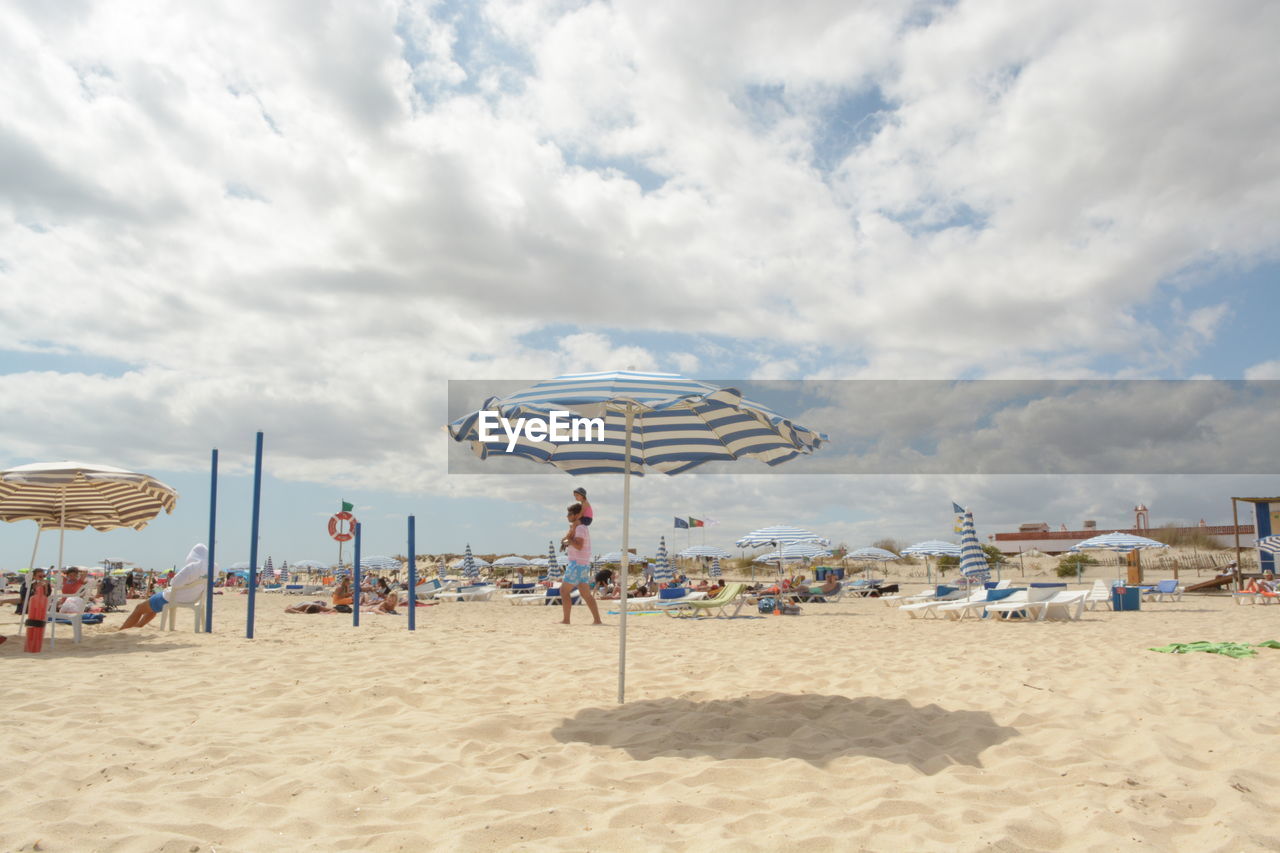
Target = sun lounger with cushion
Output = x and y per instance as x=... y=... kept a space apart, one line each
x=731 y=595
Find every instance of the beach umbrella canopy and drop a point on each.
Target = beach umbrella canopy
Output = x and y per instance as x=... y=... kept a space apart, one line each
x=311 y=565
x=789 y=553
x=1120 y=542
x=662 y=572
x=715 y=567
x=512 y=561
x=76 y=495
x=540 y=562
x=611 y=557
x=379 y=563
x=879 y=555
x=973 y=560
x=933 y=548
x=1269 y=544
x=703 y=551
x=237 y=567
x=657 y=420
x=554 y=572
x=781 y=535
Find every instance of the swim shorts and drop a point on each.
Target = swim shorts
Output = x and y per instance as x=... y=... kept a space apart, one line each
x=157 y=602
x=576 y=573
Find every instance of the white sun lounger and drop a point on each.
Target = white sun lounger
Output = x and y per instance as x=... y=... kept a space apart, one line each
x=929 y=609
x=468 y=593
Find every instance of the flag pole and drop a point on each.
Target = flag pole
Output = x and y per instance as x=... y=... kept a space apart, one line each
x=213 y=541
x=253 y=535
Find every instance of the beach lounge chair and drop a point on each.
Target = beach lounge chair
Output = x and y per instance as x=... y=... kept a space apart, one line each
x=1018 y=605
x=1099 y=593
x=1066 y=605
x=1166 y=590
x=974 y=605
x=929 y=609
x=732 y=595
x=429 y=589
x=479 y=592
x=814 y=595
x=924 y=595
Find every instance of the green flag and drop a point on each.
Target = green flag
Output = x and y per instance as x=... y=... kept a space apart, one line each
x=346 y=507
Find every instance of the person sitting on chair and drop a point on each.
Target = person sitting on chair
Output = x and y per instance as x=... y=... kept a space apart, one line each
x=185 y=588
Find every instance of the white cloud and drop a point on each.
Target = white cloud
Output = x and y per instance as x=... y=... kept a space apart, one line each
x=306 y=219
x=1264 y=370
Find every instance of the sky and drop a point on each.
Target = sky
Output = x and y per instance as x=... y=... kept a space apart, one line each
x=306 y=219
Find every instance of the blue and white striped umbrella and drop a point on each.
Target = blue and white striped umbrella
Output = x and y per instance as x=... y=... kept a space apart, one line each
x=611 y=557
x=1116 y=541
x=781 y=534
x=677 y=424
x=657 y=420
x=469 y=567
x=703 y=551
x=973 y=560
x=933 y=548
x=268 y=572
x=662 y=571
x=799 y=551
x=1269 y=544
x=440 y=568
x=379 y=563
x=511 y=562
x=540 y=562
x=715 y=567
x=554 y=572
x=879 y=555
x=311 y=566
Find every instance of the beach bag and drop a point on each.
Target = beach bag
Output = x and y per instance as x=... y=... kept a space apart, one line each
x=72 y=605
x=342 y=608
x=790 y=609
x=768 y=604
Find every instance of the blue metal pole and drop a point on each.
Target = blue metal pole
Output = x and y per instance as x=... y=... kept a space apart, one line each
x=413 y=578
x=213 y=538
x=253 y=535
x=355 y=582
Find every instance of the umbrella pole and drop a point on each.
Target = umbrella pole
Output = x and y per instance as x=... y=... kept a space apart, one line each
x=626 y=573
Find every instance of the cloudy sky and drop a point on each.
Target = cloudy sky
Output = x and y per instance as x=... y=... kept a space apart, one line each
x=306 y=218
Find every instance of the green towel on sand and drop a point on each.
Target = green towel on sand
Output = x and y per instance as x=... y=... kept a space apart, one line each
x=1231 y=650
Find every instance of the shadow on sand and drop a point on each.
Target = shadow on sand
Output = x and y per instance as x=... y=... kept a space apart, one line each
x=813 y=728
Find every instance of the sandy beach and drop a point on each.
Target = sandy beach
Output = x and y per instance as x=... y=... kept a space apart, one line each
x=850 y=727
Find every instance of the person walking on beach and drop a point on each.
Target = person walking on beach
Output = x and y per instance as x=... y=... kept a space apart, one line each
x=578 y=571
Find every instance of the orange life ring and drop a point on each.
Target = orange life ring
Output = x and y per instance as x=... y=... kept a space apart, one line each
x=336 y=528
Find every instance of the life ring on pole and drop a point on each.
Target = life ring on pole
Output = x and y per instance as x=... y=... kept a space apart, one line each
x=342 y=526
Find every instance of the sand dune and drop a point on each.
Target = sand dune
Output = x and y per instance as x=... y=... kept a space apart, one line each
x=849 y=727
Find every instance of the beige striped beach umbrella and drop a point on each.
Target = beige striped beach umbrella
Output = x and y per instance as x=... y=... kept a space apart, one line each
x=72 y=496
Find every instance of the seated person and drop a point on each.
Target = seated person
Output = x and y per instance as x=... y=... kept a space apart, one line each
x=310 y=607
x=702 y=586
x=185 y=588
x=714 y=590
x=342 y=595
x=382 y=600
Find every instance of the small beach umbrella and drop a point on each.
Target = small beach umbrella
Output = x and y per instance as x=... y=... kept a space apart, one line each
x=703 y=551
x=313 y=565
x=554 y=572
x=511 y=562
x=1121 y=543
x=1269 y=544
x=469 y=567
x=658 y=420
x=932 y=548
x=973 y=560
x=268 y=572
x=540 y=562
x=662 y=572
x=440 y=568
x=780 y=536
x=871 y=554
x=715 y=567
x=380 y=563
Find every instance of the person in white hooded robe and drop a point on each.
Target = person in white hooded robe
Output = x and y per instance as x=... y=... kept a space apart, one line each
x=184 y=588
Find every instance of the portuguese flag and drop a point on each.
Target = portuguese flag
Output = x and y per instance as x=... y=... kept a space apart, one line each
x=696 y=522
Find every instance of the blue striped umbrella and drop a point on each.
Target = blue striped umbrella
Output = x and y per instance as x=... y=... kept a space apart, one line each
x=779 y=536
x=877 y=554
x=799 y=551
x=379 y=563
x=932 y=548
x=554 y=572
x=973 y=560
x=268 y=572
x=1269 y=544
x=469 y=567
x=715 y=567
x=703 y=551
x=1123 y=543
x=657 y=420
x=1116 y=541
x=440 y=568
x=662 y=571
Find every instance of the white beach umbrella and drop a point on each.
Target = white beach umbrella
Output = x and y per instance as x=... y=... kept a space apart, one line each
x=1121 y=543
x=511 y=562
x=380 y=563
x=703 y=551
x=932 y=548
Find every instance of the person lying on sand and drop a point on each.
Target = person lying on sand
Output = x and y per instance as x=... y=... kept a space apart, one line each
x=310 y=607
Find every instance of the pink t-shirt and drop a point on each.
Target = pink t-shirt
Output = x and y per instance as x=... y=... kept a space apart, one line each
x=581 y=554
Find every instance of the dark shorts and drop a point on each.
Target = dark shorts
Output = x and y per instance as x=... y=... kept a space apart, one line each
x=156 y=602
x=586 y=520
